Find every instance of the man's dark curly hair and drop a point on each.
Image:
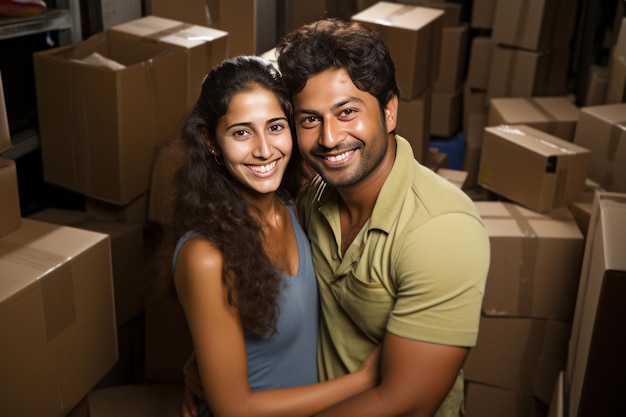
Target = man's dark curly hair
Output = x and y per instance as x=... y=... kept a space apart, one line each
x=334 y=44
x=208 y=201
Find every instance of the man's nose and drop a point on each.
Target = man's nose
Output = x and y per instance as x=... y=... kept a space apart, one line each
x=332 y=133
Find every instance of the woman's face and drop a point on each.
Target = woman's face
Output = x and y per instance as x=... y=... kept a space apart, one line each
x=255 y=141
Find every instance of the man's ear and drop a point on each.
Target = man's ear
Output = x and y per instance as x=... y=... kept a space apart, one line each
x=391 y=113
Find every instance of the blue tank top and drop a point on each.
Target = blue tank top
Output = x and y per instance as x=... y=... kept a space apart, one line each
x=288 y=357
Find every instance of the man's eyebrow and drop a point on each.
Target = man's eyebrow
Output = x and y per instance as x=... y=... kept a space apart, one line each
x=333 y=107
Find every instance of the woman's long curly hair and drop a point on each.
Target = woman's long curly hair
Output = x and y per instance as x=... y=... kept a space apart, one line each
x=208 y=200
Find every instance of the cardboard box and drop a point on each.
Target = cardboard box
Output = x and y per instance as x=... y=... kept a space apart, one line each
x=521 y=73
x=474 y=101
x=555 y=115
x=535 y=262
x=487 y=401
x=482 y=14
x=445 y=117
x=557 y=404
x=524 y=355
x=455 y=176
x=414 y=123
x=206 y=47
x=454 y=43
x=133 y=212
x=136 y=400
x=473 y=136
x=189 y=11
x=531 y=167
x=413 y=34
x=616 y=85
x=481 y=52
x=536 y=25
x=99 y=127
x=452 y=11
x=10 y=212
x=454 y=148
x=56 y=303
x=597 y=82
x=5 y=137
x=602 y=130
x=596 y=367
x=162 y=191
x=127 y=256
x=436 y=160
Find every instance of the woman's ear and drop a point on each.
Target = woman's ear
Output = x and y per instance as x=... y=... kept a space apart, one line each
x=213 y=150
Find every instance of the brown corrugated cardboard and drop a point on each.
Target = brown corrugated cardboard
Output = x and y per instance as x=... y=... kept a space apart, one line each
x=519 y=354
x=598 y=79
x=56 y=317
x=596 y=367
x=536 y=25
x=414 y=123
x=452 y=11
x=531 y=167
x=452 y=63
x=557 y=404
x=239 y=19
x=413 y=34
x=161 y=201
x=535 y=262
x=483 y=12
x=602 y=129
x=206 y=47
x=134 y=212
x=481 y=52
x=616 y=86
x=5 y=137
x=555 y=115
x=99 y=127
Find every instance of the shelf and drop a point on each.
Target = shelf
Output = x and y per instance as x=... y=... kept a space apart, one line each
x=48 y=20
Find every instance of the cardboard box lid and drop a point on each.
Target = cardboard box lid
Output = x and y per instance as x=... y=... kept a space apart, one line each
x=170 y=31
x=537 y=141
x=398 y=15
x=520 y=110
x=609 y=113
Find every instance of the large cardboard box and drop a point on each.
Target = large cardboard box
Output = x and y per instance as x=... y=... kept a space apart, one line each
x=602 y=129
x=521 y=73
x=99 y=126
x=595 y=368
x=5 y=137
x=524 y=355
x=445 y=116
x=57 y=318
x=481 y=52
x=413 y=34
x=452 y=11
x=536 y=25
x=531 y=167
x=535 y=262
x=555 y=115
x=206 y=47
x=10 y=212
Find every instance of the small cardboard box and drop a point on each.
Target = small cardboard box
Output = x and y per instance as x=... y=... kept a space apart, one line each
x=531 y=167
x=5 y=137
x=535 y=261
x=206 y=47
x=414 y=123
x=555 y=115
x=602 y=130
x=454 y=41
x=57 y=318
x=413 y=34
x=10 y=212
x=519 y=354
x=99 y=126
x=594 y=376
x=536 y=25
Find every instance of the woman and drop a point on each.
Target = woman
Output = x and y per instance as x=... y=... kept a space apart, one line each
x=242 y=265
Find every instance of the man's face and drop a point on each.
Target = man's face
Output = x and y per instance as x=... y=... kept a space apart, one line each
x=341 y=130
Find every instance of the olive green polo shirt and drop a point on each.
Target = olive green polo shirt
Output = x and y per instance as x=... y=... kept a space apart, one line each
x=417 y=268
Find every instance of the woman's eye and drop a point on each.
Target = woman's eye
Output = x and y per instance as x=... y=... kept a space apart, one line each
x=276 y=128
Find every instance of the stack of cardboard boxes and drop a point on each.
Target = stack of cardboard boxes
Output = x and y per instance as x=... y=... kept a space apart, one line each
x=547 y=176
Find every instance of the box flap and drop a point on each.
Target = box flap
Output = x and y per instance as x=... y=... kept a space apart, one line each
x=398 y=15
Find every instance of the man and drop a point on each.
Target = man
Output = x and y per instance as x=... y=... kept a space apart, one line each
x=401 y=255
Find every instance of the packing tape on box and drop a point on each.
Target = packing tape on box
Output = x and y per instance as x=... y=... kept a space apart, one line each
x=529 y=260
x=55 y=278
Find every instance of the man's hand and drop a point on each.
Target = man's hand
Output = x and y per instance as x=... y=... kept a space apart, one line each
x=193 y=388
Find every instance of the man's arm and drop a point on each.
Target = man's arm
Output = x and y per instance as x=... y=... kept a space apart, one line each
x=416 y=377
